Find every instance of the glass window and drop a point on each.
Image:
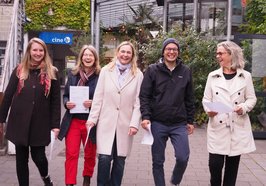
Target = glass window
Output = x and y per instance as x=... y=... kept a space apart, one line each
x=254 y=52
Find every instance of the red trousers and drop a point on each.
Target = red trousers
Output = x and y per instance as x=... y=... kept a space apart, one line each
x=77 y=133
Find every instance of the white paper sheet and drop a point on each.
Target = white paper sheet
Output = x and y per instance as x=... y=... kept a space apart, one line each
x=89 y=129
x=51 y=145
x=147 y=137
x=218 y=107
x=77 y=95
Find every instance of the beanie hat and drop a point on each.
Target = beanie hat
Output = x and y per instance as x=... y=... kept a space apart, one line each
x=168 y=41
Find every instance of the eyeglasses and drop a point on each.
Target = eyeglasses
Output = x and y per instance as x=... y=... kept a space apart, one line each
x=220 y=53
x=171 y=49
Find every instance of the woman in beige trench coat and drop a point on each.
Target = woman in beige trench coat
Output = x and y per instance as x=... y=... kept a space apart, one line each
x=229 y=134
x=115 y=112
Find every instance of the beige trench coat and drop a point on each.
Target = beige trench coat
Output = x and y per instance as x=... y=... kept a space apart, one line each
x=230 y=134
x=115 y=109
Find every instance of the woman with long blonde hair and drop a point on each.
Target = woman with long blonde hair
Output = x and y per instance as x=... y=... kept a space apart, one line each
x=33 y=96
x=115 y=112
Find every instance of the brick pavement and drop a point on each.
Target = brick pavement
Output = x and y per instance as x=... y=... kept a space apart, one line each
x=252 y=171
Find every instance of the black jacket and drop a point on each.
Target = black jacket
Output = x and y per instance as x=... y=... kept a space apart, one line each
x=167 y=96
x=73 y=81
x=32 y=114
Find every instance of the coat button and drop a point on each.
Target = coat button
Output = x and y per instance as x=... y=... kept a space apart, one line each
x=238 y=93
x=216 y=93
x=236 y=103
x=221 y=121
x=33 y=102
x=33 y=86
x=118 y=92
x=117 y=108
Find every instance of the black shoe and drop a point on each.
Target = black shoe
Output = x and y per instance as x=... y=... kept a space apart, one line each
x=86 y=181
x=47 y=181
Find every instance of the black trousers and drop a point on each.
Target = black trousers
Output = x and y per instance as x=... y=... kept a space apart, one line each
x=216 y=164
x=22 y=159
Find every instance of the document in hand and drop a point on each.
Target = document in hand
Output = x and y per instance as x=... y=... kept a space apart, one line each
x=88 y=134
x=147 y=137
x=51 y=145
x=218 y=107
x=77 y=95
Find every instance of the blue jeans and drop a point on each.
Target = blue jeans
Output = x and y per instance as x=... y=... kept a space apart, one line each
x=179 y=139
x=104 y=177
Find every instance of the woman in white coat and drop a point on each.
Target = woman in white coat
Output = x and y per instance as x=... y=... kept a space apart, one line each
x=116 y=113
x=229 y=134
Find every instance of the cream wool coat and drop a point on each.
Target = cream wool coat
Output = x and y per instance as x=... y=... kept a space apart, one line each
x=230 y=134
x=115 y=109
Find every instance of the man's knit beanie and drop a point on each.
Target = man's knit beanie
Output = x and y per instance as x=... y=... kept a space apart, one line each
x=168 y=41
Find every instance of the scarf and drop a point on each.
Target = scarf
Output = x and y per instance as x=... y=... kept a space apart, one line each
x=122 y=72
x=121 y=67
x=84 y=77
x=44 y=78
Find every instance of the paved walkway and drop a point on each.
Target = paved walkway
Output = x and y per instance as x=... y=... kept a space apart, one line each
x=252 y=171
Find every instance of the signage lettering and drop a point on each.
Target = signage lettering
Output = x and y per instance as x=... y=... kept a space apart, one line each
x=56 y=38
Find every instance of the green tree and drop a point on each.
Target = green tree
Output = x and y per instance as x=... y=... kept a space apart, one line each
x=139 y=28
x=73 y=14
x=255 y=17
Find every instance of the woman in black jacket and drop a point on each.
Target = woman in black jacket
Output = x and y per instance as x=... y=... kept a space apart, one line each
x=73 y=127
x=33 y=96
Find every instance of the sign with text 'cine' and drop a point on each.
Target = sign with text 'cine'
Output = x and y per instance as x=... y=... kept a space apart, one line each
x=56 y=38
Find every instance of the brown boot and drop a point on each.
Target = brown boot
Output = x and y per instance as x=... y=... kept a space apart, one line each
x=86 y=181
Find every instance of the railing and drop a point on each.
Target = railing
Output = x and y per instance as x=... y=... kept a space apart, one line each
x=12 y=53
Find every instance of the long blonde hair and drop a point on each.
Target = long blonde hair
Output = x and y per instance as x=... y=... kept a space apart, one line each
x=134 y=66
x=47 y=61
x=79 y=64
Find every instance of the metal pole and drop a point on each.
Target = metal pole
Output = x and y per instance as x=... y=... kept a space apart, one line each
x=184 y=17
x=97 y=32
x=229 y=20
x=214 y=20
x=92 y=21
x=195 y=14
x=165 y=16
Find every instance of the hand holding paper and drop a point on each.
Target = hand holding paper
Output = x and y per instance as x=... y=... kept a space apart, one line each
x=78 y=95
x=147 y=137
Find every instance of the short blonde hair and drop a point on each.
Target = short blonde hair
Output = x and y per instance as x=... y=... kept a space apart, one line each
x=79 y=64
x=236 y=53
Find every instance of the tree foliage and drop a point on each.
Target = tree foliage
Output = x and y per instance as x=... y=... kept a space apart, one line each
x=73 y=14
x=139 y=29
x=255 y=17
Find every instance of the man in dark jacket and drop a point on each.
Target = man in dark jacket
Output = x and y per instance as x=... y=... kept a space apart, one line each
x=167 y=103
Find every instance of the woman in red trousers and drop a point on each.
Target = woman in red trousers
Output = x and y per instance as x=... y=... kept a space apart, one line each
x=73 y=127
